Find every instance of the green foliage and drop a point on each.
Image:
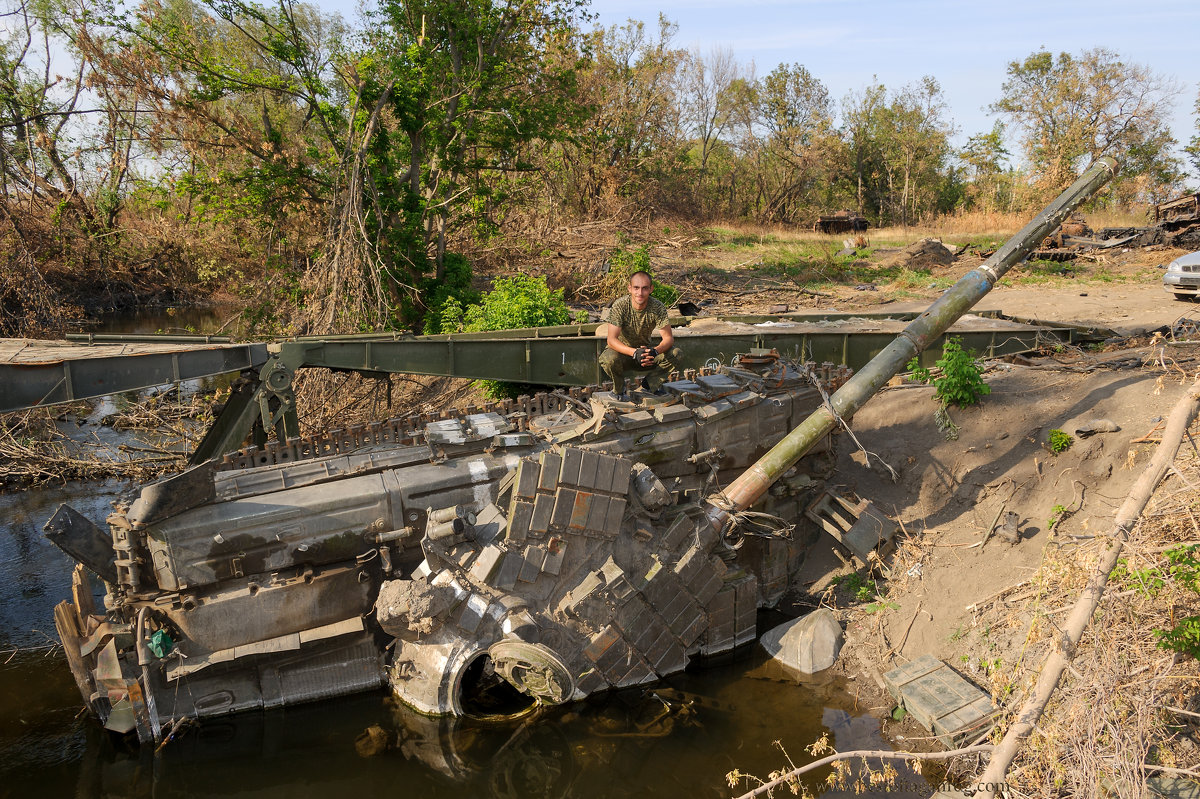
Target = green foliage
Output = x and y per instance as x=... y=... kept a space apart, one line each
x=1193 y=147
x=1072 y=108
x=961 y=380
x=514 y=302
x=861 y=589
x=1057 y=514
x=1148 y=581
x=1183 y=569
x=1058 y=441
x=1184 y=637
x=446 y=299
x=624 y=262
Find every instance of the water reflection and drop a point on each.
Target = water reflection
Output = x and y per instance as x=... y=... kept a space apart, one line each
x=214 y=319
x=674 y=739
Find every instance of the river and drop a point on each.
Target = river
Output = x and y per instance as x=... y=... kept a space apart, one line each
x=678 y=739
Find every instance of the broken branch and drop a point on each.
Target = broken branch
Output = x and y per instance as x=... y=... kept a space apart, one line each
x=767 y=787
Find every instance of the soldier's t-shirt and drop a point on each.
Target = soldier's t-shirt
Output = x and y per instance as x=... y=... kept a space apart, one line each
x=637 y=326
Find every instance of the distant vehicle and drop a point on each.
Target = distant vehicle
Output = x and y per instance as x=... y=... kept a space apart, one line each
x=841 y=222
x=1182 y=277
x=1180 y=210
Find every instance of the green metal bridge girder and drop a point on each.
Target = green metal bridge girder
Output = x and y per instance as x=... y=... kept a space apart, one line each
x=573 y=361
x=554 y=356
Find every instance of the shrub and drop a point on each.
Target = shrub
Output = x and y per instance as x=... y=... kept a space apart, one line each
x=623 y=263
x=445 y=300
x=961 y=381
x=1059 y=441
x=514 y=302
x=1184 y=637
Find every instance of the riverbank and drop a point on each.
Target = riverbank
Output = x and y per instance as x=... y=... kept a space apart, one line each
x=992 y=608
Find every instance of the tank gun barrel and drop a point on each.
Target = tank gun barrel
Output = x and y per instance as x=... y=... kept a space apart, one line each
x=958 y=299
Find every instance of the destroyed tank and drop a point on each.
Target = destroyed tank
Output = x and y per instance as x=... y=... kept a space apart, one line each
x=540 y=549
x=481 y=563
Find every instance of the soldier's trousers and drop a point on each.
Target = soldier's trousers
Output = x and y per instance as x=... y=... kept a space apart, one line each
x=616 y=365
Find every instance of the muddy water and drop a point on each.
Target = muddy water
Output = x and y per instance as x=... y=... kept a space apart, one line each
x=678 y=739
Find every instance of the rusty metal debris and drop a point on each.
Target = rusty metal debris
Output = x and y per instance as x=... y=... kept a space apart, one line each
x=843 y=221
x=1176 y=223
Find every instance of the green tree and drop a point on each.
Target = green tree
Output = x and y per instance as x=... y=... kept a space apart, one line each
x=469 y=83
x=898 y=159
x=709 y=86
x=1071 y=109
x=985 y=157
x=791 y=156
x=633 y=137
x=862 y=114
x=65 y=152
x=915 y=142
x=239 y=98
x=1193 y=147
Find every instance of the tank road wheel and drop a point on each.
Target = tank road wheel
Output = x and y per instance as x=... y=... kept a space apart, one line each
x=534 y=670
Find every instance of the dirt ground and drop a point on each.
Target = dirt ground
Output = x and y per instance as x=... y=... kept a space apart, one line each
x=1120 y=290
x=948 y=493
x=1129 y=309
x=982 y=607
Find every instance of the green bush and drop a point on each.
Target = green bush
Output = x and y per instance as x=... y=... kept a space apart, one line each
x=445 y=300
x=1184 y=637
x=961 y=381
x=514 y=302
x=623 y=263
x=1059 y=441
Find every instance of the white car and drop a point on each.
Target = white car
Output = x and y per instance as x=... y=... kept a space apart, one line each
x=1182 y=277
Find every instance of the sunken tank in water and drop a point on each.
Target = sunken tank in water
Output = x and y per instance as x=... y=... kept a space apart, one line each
x=540 y=550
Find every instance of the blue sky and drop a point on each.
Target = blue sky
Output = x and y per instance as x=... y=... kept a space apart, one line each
x=965 y=45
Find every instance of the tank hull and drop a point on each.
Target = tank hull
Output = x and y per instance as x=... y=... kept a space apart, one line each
x=402 y=557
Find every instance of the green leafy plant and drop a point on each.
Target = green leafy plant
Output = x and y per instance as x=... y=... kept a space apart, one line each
x=1184 y=569
x=1184 y=637
x=959 y=382
x=624 y=262
x=861 y=588
x=1148 y=581
x=1057 y=514
x=514 y=302
x=1059 y=441
x=446 y=300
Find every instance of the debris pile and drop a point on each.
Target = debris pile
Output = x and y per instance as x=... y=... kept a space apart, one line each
x=1176 y=224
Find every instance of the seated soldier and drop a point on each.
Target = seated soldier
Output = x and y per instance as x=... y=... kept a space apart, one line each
x=632 y=321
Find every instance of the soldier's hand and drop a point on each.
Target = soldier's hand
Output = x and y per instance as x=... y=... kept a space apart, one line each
x=644 y=355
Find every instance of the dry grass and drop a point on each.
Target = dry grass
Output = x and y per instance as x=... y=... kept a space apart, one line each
x=959 y=228
x=1110 y=727
x=1138 y=217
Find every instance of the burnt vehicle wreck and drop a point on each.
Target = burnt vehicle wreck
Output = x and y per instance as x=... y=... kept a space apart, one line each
x=475 y=563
